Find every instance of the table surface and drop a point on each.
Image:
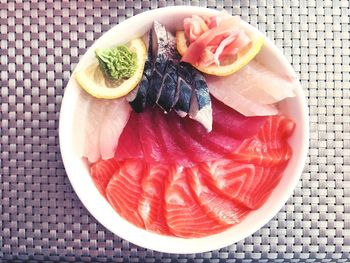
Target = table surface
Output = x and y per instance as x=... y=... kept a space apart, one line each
x=41 y=216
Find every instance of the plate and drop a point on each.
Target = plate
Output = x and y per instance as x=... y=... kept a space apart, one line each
x=78 y=173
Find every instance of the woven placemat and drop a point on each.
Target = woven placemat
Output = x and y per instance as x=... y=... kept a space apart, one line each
x=41 y=217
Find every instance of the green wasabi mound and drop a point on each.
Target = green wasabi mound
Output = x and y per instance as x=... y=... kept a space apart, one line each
x=117 y=63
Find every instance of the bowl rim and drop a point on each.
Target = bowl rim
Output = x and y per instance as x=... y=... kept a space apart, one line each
x=164 y=243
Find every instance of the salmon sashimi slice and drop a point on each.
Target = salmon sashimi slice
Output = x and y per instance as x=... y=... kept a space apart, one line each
x=102 y=171
x=174 y=151
x=152 y=149
x=129 y=145
x=247 y=184
x=220 y=208
x=124 y=190
x=185 y=217
x=151 y=204
x=269 y=147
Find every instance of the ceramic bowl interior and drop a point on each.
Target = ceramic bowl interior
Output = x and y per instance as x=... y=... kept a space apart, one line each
x=77 y=169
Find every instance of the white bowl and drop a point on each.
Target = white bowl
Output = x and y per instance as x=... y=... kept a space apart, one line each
x=78 y=173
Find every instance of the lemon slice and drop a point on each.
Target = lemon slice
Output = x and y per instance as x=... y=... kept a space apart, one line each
x=92 y=80
x=243 y=57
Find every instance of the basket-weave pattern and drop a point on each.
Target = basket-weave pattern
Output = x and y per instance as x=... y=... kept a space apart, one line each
x=41 y=217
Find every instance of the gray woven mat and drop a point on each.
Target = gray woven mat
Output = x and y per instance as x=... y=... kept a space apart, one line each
x=42 y=218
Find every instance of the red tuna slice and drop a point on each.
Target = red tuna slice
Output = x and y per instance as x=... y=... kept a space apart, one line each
x=153 y=150
x=234 y=124
x=185 y=217
x=269 y=147
x=124 y=190
x=198 y=152
x=129 y=146
x=151 y=204
x=217 y=206
x=175 y=152
x=246 y=183
x=215 y=140
x=102 y=171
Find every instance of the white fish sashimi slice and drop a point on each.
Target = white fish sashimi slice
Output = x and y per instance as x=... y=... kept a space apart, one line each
x=257 y=83
x=95 y=115
x=80 y=122
x=115 y=118
x=218 y=88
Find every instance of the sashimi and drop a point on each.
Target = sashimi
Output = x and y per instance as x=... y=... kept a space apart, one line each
x=255 y=82
x=216 y=206
x=201 y=109
x=175 y=151
x=96 y=111
x=81 y=119
x=153 y=150
x=102 y=171
x=215 y=140
x=224 y=93
x=245 y=183
x=124 y=190
x=151 y=203
x=115 y=117
x=269 y=147
x=169 y=139
x=129 y=145
x=198 y=152
x=233 y=123
x=184 y=216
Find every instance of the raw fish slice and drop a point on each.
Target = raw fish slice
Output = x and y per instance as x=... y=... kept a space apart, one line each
x=228 y=177
x=247 y=184
x=216 y=206
x=151 y=204
x=153 y=150
x=96 y=111
x=174 y=151
x=116 y=116
x=267 y=179
x=183 y=104
x=80 y=123
x=164 y=49
x=233 y=123
x=129 y=145
x=102 y=171
x=138 y=97
x=167 y=98
x=215 y=140
x=184 y=216
x=252 y=90
x=197 y=152
x=236 y=101
x=200 y=109
x=269 y=147
x=124 y=190
x=257 y=83
x=155 y=86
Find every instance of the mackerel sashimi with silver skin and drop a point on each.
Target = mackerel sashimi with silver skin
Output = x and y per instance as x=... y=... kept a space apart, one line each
x=169 y=83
